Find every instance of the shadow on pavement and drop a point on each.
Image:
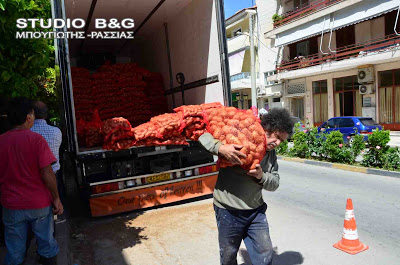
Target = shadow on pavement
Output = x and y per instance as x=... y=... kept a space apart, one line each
x=286 y=258
x=102 y=240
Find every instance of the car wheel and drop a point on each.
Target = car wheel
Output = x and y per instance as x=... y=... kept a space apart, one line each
x=351 y=140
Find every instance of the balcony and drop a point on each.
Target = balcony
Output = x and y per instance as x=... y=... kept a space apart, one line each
x=313 y=7
x=275 y=90
x=238 y=43
x=242 y=80
x=355 y=51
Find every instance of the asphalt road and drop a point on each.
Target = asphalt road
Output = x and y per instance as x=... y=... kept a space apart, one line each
x=305 y=215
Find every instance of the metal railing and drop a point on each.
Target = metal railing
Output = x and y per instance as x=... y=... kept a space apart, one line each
x=301 y=12
x=342 y=53
x=242 y=75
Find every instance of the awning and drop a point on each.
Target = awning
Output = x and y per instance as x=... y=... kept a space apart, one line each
x=354 y=14
x=301 y=32
x=364 y=10
x=236 y=63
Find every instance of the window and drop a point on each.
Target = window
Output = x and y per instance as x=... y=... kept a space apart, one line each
x=297 y=107
x=333 y=123
x=320 y=101
x=368 y=122
x=345 y=36
x=276 y=100
x=348 y=100
x=236 y=32
x=390 y=19
x=346 y=122
x=389 y=96
x=303 y=48
x=298 y=4
x=267 y=74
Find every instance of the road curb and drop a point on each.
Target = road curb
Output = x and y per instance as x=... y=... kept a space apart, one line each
x=364 y=170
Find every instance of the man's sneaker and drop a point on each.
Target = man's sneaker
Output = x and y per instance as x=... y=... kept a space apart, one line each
x=60 y=220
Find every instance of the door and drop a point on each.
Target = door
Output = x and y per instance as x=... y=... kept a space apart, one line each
x=346 y=127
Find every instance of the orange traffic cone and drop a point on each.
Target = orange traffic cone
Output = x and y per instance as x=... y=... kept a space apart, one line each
x=350 y=242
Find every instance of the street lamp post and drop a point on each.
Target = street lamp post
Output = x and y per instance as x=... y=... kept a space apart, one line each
x=252 y=57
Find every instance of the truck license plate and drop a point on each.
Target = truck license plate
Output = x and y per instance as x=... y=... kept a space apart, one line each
x=158 y=178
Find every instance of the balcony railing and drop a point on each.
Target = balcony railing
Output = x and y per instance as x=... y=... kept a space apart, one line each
x=355 y=50
x=301 y=12
x=242 y=75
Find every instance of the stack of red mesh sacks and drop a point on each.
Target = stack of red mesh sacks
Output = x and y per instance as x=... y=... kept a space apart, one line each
x=87 y=120
x=118 y=134
x=193 y=125
x=163 y=129
x=127 y=92
x=240 y=127
x=82 y=90
x=155 y=93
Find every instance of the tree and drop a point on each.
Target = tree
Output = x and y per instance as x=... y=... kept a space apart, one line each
x=26 y=65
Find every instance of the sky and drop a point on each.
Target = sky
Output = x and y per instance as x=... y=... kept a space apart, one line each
x=232 y=6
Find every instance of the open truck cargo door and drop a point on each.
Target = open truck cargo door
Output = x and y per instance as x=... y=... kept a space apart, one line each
x=170 y=37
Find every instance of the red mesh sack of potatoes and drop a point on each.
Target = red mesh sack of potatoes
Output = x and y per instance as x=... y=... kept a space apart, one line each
x=233 y=126
x=93 y=136
x=173 y=140
x=120 y=145
x=117 y=130
x=169 y=124
x=113 y=125
x=196 y=110
x=145 y=130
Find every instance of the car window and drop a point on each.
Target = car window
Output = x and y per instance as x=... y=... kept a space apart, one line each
x=332 y=123
x=346 y=122
x=324 y=125
x=368 y=122
x=296 y=120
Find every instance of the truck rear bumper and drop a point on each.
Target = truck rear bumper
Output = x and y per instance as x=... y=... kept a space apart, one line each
x=152 y=196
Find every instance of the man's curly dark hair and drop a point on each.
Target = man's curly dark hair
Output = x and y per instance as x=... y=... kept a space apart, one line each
x=278 y=119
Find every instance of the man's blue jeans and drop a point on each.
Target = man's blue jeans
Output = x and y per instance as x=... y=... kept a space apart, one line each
x=16 y=226
x=251 y=226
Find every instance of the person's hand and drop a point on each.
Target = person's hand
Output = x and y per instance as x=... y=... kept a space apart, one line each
x=231 y=153
x=58 y=208
x=257 y=172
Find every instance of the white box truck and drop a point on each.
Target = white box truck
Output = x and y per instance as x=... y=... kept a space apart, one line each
x=170 y=37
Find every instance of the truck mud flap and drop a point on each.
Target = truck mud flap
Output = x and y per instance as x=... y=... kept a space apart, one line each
x=152 y=196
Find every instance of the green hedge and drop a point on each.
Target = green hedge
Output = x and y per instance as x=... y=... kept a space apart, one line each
x=331 y=147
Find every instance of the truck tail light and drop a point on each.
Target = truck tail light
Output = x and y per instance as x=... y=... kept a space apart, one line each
x=108 y=187
x=208 y=169
x=365 y=132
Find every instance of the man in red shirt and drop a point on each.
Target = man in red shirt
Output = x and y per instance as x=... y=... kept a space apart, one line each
x=28 y=186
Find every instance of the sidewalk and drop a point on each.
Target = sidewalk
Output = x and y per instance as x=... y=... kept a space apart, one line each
x=63 y=239
x=365 y=170
x=394 y=139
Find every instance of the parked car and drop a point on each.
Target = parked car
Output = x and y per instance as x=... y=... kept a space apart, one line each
x=301 y=126
x=350 y=126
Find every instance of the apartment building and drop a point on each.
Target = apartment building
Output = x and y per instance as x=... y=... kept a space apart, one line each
x=334 y=57
x=238 y=35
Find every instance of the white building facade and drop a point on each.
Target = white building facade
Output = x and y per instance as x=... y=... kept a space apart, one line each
x=333 y=58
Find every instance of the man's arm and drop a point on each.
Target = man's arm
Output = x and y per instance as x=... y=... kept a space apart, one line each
x=269 y=180
x=228 y=151
x=49 y=179
x=211 y=144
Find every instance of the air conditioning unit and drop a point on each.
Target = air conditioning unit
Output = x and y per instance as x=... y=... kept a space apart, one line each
x=260 y=91
x=365 y=75
x=366 y=89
